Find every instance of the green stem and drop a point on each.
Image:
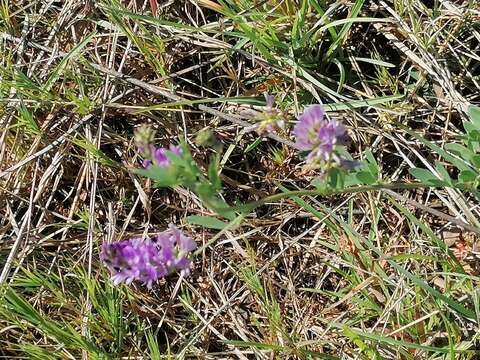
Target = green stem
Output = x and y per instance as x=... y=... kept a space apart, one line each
x=351 y=190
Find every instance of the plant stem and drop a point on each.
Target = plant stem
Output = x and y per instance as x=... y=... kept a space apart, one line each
x=350 y=190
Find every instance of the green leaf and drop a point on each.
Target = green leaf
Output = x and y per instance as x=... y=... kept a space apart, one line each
x=443 y=172
x=347 y=24
x=352 y=20
x=91 y=149
x=26 y=119
x=320 y=184
x=206 y=221
x=212 y=200
x=393 y=342
x=355 y=104
x=336 y=179
x=371 y=159
x=366 y=177
x=371 y=167
x=447 y=156
x=466 y=176
x=204 y=190
x=426 y=176
x=163 y=176
x=472 y=131
x=253 y=145
x=213 y=173
x=475 y=161
x=352 y=179
x=460 y=150
x=16 y=305
x=75 y=53
x=355 y=338
x=474 y=113
x=278 y=348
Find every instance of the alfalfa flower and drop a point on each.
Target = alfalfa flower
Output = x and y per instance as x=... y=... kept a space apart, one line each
x=151 y=153
x=148 y=260
x=133 y=259
x=159 y=155
x=320 y=136
x=271 y=118
x=175 y=247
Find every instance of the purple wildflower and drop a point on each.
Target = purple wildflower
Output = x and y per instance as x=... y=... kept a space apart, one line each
x=148 y=260
x=271 y=119
x=175 y=247
x=159 y=155
x=176 y=149
x=308 y=126
x=146 y=163
x=133 y=259
x=151 y=154
x=318 y=135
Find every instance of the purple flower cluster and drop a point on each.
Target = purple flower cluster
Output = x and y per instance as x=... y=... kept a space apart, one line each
x=148 y=260
x=158 y=155
x=319 y=136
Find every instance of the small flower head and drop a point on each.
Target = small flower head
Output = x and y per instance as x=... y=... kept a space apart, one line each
x=144 y=136
x=271 y=119
x=330 y=134
x=133 y=259
x=151 y=154
x=176 y=149
x=308 y=126
x=319 y=136
x=206 y=138
x=158 y=155
x=148 y=260
x=175 y=247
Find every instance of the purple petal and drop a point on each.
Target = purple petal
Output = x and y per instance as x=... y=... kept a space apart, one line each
x=148 y=260
x=182 y=264
x=270 y=99
x=314 y=112
x=307 y=127
x=160 y=157
x=318 y=135
x=176 y=149
x=185 y=243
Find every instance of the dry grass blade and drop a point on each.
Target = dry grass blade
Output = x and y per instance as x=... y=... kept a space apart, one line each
x=380 y=262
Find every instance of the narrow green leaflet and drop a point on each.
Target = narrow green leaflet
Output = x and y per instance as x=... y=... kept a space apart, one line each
x=163 y=176
x=474 y=113
x=426 y=177
x=207 y=221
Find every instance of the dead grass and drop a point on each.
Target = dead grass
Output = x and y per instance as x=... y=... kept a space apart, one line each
x=300 y=278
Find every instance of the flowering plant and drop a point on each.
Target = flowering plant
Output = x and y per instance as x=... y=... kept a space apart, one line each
x=321 y=138
x=148 y=260
x=175 y=166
